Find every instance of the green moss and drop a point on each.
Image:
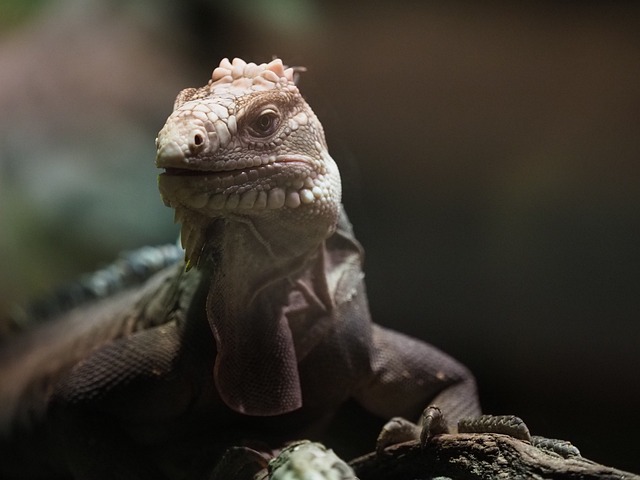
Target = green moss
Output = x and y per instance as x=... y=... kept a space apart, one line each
x=16 y=12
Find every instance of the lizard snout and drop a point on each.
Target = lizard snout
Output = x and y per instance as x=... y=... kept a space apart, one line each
x=170 y=154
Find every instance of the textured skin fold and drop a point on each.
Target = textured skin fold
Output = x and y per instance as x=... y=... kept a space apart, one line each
x=256 y=371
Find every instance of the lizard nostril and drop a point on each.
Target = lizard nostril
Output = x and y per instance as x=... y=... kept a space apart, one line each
x=197 y=142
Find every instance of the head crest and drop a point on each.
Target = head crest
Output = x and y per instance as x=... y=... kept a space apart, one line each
x=251 y=76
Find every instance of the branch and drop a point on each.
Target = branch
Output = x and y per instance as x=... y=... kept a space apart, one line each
x=476 y=456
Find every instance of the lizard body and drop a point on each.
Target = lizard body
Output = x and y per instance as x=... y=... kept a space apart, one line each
x=128 y=270
x=264 y=334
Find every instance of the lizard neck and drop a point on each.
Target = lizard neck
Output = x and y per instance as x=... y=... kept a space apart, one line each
x=251 y=257
x=250 y=284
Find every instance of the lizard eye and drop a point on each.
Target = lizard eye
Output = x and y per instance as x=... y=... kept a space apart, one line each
x=265 y=124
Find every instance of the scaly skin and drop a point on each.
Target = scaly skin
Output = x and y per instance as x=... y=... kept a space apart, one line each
x=264 y=334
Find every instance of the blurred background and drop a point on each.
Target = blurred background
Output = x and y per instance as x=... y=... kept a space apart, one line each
x=490 y=157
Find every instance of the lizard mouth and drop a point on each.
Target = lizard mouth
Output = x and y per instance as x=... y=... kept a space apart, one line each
x=192 y=172
x=183 y=172
x=286 y=182
x=292 y=161
x=263 y=176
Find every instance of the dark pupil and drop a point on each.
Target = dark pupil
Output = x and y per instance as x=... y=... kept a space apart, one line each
x=264 y=122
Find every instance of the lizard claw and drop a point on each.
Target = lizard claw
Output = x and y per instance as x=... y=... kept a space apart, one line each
x=433 y=423
x=399 y=430
x=396 y=430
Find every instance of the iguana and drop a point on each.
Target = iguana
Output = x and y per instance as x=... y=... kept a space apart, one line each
x=261 y=335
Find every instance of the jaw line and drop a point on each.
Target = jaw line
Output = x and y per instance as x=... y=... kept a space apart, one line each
x=188 y=169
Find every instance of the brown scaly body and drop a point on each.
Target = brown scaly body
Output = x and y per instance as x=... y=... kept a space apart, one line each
x=263 y=336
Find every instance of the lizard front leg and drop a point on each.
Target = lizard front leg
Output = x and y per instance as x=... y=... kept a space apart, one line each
x=409 y=374
x=146 y=379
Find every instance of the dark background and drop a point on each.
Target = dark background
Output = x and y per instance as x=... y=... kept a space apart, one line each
x=490 y=160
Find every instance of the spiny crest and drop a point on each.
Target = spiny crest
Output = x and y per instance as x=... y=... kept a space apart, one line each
x=233 y=79
x=252 y=76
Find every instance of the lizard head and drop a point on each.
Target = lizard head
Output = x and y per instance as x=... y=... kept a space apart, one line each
x=246 y=147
